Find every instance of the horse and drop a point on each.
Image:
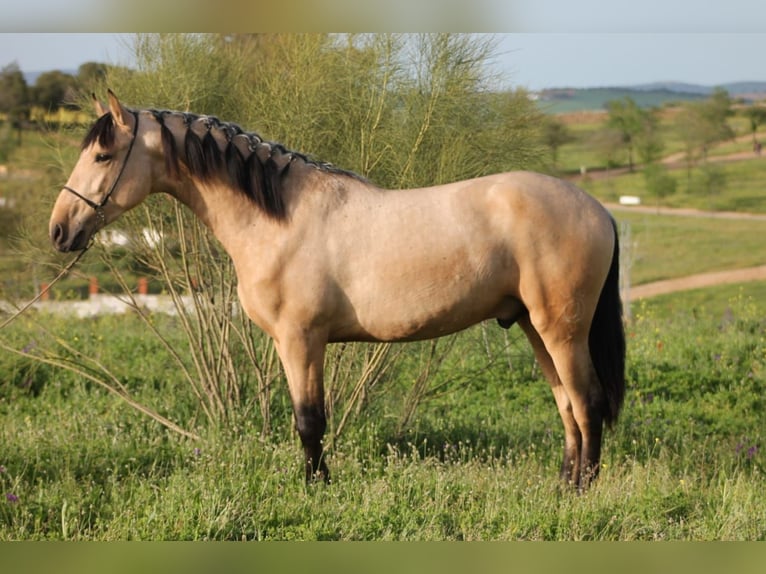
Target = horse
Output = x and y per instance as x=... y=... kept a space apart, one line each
x=322 y=255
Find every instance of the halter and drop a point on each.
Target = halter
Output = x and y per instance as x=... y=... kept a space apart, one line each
x=99 y=207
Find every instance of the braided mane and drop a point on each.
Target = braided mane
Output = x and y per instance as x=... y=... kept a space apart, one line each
x=259 y=174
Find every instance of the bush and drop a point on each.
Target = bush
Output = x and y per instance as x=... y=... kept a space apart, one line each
x=659 y=182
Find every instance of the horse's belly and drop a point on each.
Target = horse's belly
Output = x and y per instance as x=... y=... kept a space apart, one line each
x=425 y=313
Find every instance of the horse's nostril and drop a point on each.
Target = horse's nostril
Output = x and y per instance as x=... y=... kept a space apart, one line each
x=57 y=234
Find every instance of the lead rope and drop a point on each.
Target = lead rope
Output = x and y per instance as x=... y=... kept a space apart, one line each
x=42 y=292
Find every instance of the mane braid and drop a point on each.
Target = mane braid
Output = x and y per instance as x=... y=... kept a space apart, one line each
x=258 y=175
x=211 y=153
x=237 y=168
x=195 y=155
x=169 y=148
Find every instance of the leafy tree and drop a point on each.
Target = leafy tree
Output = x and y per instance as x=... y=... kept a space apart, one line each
x=627 y=119
x=659 y=182
x=14 y=100
x=713 y=179
x=54 y=90
x=701 y=126
x=13 y=89
x=756 y=114
x=91 y=73
x=713 y=115
x=648 y=141
x=607 y=143
x=554 y=135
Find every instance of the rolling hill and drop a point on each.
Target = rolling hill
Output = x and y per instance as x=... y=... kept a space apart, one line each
x=560 y=100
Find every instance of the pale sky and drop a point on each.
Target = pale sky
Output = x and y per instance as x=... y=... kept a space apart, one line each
x=533 y=61
x=538 y=61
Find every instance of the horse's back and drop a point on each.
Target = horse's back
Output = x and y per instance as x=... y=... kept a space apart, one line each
x=423 y=262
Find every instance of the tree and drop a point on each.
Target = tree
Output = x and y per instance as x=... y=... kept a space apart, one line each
x=13 y=89
x=757 y=116
x=606 y=142
x=713 y=116
x=704 y=124
x=648 y=141
x=554 y=135
x=91 y=73
x=659 y=182
x=14 y=100
x=54 y=90
x=701 y=126
x=626 y=118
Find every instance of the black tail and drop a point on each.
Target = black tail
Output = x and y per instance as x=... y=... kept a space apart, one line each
x=607 y=340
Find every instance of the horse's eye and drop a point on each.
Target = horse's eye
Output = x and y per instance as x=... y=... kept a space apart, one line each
x=102 y=157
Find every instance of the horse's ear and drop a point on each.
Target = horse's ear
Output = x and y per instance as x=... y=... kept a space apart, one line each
x=100 y=109
x=119 y=112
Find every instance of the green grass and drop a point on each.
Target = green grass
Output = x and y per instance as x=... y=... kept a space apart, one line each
x=479 y=462
x=742 y=191
x=710 y=302
x=663 y=247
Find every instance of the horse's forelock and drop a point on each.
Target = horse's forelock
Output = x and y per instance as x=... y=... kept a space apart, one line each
x=102 y=131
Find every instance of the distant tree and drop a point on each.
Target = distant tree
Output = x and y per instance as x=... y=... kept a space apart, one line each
x=14 y=96
x=13 y=88
x=659 y=182
x=54 y=89
x=714 y=114
x=756 y=114
x=91 y=74
x=701 y=126
x=627 y=119
x=607 y=144
x=704 y=124
x=713 y=179
x=554 y=135
x=648 y=141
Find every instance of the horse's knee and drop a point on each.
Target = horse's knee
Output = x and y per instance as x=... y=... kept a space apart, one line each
x=310 y=422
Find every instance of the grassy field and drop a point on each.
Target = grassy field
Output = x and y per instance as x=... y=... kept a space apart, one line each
x=743 y=190
x=478 y=462
x=665 y=247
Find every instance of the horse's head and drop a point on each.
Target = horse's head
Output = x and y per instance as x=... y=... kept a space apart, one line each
x=111 y=176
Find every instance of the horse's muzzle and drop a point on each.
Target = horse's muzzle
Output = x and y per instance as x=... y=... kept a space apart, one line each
x=66 y=240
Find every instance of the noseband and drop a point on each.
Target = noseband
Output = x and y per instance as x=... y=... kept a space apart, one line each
x=99 y=207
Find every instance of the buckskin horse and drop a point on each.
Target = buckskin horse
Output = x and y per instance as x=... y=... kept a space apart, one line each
x=322 y=255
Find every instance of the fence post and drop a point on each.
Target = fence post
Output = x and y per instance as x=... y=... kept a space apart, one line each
x=93 y=286
x=626 y=262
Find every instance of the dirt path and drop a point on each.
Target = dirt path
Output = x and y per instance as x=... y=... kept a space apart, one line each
x=673 y=161
x=686 y=212
x=709 y=279
x=698 y=281
x=678 y=159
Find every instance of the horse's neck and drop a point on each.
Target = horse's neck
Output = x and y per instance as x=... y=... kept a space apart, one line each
x=229 y=215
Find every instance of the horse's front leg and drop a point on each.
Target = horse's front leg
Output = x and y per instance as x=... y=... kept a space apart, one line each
x=302 y=355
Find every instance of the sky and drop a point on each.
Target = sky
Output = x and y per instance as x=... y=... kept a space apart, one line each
x=530 y=60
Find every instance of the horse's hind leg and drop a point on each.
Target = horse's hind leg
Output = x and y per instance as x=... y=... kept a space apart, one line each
x=570 y=465
x=574 y=367
x=303 y=359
